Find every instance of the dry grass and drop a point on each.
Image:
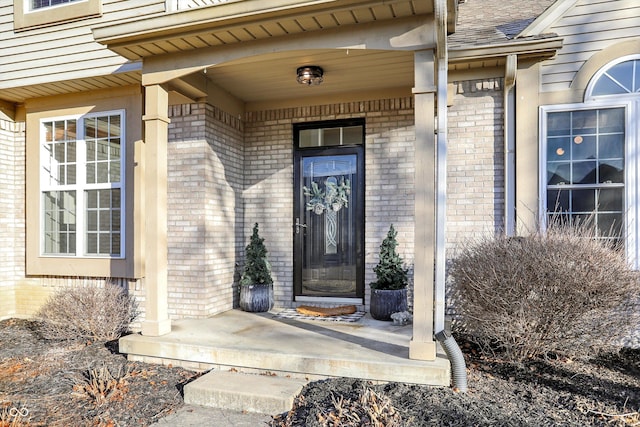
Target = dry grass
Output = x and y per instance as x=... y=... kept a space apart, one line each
x=556 y=292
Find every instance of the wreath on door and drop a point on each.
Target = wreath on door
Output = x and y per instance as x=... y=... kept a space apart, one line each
x=333 y=197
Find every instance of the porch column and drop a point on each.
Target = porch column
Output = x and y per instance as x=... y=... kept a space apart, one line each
x=422 y=345
x=156 y=124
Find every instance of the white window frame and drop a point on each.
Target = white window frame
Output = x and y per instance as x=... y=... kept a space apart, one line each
x=631 y=184
x=81 y=185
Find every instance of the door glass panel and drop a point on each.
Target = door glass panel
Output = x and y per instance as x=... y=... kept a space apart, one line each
x=329 y=258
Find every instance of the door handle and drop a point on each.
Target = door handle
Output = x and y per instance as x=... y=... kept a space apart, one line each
x=298 y=225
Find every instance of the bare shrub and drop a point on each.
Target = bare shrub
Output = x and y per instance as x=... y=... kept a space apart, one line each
x=371 y=409
x=87 y=313
x=559 y=291
x=100 y=386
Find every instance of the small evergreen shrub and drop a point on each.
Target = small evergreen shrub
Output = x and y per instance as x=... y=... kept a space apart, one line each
x=561 y=291
x=90 y=313
x=257 y=269
x=390 y=271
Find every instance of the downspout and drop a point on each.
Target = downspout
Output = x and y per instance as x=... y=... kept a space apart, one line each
x=441 y=163
x=510 y=71
x=458 y=366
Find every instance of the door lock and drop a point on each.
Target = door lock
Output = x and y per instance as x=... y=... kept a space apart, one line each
x=298 y=225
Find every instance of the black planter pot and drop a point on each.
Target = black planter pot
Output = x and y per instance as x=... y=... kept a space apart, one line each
x=385 y=302
x=256 y=298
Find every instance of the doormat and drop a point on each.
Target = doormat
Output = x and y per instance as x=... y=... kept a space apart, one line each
x=292 y=313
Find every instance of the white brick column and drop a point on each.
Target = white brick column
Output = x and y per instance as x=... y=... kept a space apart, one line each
x=156 y=124
x=422 y=346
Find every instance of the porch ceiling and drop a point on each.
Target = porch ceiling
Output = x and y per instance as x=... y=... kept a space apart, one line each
x=270 y=78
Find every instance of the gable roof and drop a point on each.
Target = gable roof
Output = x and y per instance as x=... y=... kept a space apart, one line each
x=488 y=22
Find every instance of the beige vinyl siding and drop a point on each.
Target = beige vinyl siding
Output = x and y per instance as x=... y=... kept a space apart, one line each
x=62 y=51
x=588 y=27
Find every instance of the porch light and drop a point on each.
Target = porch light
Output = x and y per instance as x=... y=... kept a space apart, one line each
x=310 y=75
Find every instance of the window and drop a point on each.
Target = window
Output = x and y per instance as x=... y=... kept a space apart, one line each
x=585 y=167
x=29 y=14
x=589 y=155
x=82 y=182
x=39 y=4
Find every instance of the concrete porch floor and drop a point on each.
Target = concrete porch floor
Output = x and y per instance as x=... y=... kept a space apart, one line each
x=311 y=349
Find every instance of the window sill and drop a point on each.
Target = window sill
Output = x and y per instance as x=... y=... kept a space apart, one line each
x=23 y=20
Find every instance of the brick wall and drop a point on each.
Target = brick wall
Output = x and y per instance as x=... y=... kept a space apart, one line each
x=389 y=170
x=475 y=161
x=12 y=215
x=205 y=209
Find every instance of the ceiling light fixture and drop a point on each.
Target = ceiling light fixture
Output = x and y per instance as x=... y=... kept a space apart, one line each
x=310 y=75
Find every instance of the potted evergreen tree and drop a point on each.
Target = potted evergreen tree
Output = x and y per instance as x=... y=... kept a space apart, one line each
x=389 y=291
x=256 y=284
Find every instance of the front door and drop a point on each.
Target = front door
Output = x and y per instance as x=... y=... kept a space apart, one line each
x=328 y=210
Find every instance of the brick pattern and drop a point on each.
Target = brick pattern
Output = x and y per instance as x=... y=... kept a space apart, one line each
x=12 y=216
x=268 y=194
x=475 y=162
x=225 y=174
x=205 y=209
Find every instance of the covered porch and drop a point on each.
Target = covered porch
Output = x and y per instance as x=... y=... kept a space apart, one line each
x=263 y=343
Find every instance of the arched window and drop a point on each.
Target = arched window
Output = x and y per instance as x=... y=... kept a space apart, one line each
x=618 y=78
x=590 y=153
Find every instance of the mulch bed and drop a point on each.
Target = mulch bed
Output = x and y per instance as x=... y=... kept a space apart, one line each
x=44 y=383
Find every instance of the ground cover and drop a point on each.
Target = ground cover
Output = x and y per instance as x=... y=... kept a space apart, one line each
x=47 y=383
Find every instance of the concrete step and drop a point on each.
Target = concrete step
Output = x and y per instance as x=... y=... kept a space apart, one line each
x=242 y=392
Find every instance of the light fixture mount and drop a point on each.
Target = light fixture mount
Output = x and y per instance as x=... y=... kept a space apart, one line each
x=310 y=75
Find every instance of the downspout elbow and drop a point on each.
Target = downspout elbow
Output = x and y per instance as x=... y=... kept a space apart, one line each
x=458 y=365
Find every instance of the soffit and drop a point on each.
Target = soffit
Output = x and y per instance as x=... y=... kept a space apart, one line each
x=345 y=72
x=244 y=21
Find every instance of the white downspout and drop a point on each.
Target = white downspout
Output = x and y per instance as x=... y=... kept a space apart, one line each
x=510 y=72
x=441 y=163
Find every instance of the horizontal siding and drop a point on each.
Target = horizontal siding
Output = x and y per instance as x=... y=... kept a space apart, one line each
x=587 y=28
x=63 y=51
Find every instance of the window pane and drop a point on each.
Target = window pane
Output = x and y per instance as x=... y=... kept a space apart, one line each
x=60 y=150
x=59 y=222
x=558 y=173
x=558 y=149
x=103 y=149
x=611 y=171
x=584 y=147
x=610 y=199
x=105 y=228
x=583 y=201
x=558 y=201
x=330 y=137
x=590 y=169
x=559 y=123
x=611 y=120
x=584 y=173
x=623 y=74
x=584 y=122
x=611 y=146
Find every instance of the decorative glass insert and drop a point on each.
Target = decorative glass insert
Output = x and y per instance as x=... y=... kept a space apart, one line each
x=621 y=78
x=585 y=152
x=41 y=4
x=81 y=183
